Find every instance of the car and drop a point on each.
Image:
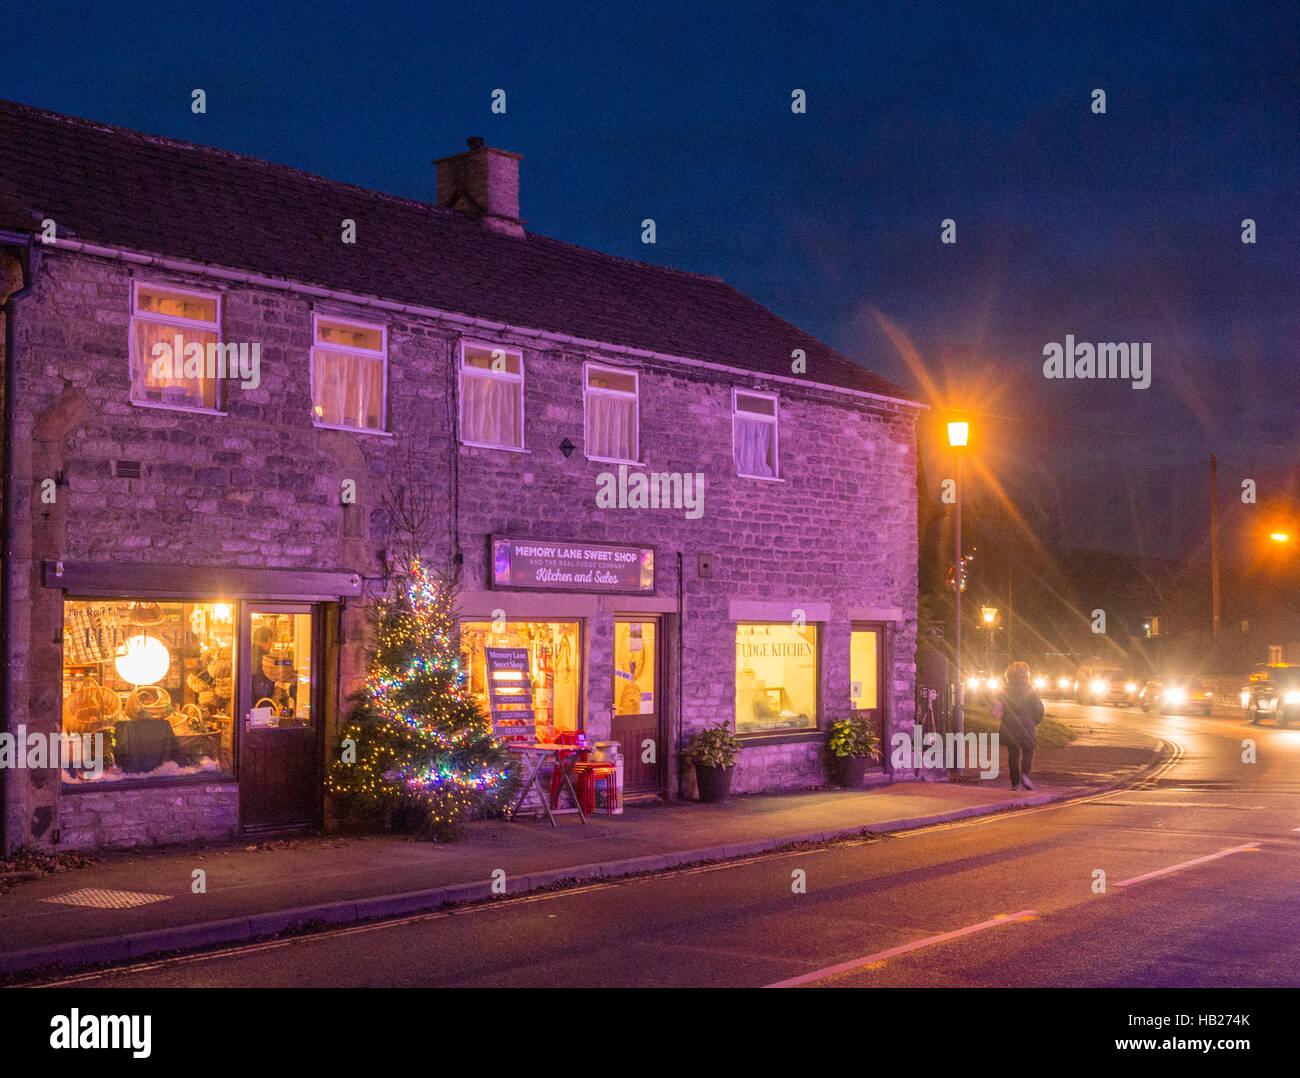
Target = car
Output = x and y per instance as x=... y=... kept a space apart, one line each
x=1099 y=684
x=1053 y=682
x=1175 y=694
x=1273 y=692
x=983 y=682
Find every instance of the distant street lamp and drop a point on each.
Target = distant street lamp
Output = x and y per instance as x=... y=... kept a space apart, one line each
x=990 y=615
x=958 y=434
x=1280 y=537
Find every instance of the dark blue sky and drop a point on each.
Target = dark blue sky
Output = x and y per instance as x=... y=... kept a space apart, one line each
x=1124 y=226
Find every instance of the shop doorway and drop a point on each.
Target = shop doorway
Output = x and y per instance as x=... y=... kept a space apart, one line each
x=865 y=664
x=280 y=731
x=638 y=708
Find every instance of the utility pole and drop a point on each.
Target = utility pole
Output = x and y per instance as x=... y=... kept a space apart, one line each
x=1214 y=542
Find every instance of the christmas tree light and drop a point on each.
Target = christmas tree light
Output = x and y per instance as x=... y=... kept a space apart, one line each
x=419 y=741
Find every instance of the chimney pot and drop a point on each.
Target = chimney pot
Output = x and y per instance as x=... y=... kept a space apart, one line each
x=474 y=142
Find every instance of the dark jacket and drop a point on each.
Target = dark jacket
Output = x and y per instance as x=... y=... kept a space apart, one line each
x=1022 y=711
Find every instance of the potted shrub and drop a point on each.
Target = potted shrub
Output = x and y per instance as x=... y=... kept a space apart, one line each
x=852 y=744
x=713 y=752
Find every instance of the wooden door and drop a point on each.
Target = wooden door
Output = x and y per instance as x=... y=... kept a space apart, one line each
x=638 y=709
x=280 y=746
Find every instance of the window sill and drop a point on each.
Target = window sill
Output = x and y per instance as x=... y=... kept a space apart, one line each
x=790 y=737
x=354 y=430
x=163 y=407
x=501 y=448
x=616 y=460
x=205 y=778
x=761 y=478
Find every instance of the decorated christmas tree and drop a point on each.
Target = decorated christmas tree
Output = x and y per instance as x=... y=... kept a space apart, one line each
x=417 y=749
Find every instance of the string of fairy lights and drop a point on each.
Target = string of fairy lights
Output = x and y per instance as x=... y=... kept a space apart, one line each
x=425 y=738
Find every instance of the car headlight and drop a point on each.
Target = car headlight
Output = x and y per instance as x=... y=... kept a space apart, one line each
x=1176 y=696
x=1040 y=683
x=1130 y=687
x=1100 y=688
x=1245 y=698
x=994 y=684
x=972 y=683
x=1291 y=697
x=1064 y=683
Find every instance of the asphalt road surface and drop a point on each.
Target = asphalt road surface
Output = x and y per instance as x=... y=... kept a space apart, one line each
x=1200 y=890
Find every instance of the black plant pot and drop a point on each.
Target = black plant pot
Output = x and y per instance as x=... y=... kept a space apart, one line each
x=714 y=783
x=847 y=771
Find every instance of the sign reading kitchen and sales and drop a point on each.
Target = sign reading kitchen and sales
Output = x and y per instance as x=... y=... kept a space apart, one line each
x=563 y=566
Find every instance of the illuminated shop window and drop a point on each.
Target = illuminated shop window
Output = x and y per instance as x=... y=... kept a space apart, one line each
x=776 y=678
x=147 y=690
x=549 y=700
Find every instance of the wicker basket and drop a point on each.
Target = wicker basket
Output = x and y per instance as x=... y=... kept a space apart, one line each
x=90 y=707
x=148 y=702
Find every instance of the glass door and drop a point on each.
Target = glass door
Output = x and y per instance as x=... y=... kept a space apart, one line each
x=637 y=712
x=864 y=675
x=279 y=774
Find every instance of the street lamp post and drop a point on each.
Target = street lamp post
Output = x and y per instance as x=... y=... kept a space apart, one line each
x=958 y=433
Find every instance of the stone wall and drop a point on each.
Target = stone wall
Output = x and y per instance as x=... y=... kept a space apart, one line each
x=149 y=817
x=259 y=486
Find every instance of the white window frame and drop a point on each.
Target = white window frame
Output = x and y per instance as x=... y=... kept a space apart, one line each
x=179 y=323
x=774 y=419
x=504 y=376
x=587 y=390
x=346 y=320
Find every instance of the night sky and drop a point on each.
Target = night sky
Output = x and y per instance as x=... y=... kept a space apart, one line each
x=1117 y=227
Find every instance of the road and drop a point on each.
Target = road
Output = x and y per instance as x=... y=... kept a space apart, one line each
x=1200 y=871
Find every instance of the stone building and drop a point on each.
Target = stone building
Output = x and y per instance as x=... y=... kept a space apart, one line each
x=677 y=507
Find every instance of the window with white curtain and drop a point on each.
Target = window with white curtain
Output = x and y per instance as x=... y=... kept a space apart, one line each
x=612 y=425
x=349 y=374
x=491 y=396
x=754 y=435
x=165 y=323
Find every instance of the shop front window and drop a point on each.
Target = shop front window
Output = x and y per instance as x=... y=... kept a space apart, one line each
x=541 y=657
x=147 y=690
x=776 y=678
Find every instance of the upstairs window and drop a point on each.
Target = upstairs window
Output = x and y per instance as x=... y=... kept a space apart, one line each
x=349 y=374
x=171 y=330
x=754 y=434
x=491 y=396
x=612 y=420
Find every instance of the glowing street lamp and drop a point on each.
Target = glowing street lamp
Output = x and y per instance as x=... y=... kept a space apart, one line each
x=990 y=615
x=1280 y=537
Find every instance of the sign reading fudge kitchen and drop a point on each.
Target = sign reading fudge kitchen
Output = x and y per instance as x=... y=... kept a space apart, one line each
x=565 y=566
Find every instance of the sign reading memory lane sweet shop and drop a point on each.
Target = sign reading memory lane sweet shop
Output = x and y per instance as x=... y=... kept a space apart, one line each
x=566 y=566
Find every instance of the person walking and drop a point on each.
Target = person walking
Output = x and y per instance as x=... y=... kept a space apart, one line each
x=1020 y=710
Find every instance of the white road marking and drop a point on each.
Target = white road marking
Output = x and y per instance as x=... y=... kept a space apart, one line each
x=1187 y=864
x=916 y=945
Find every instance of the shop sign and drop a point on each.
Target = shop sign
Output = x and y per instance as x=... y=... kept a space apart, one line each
x=565 y=566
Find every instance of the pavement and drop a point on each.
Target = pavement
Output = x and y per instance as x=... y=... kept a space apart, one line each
x=146 y=903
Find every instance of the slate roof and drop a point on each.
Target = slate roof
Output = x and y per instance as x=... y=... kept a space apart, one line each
x=118 y=188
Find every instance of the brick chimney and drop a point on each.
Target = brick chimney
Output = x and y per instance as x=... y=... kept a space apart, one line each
x=483 y=183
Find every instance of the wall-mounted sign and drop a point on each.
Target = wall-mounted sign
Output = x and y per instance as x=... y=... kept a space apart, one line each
x=565 y=566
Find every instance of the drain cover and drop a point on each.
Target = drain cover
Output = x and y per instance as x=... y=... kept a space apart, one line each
x=106 y=900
